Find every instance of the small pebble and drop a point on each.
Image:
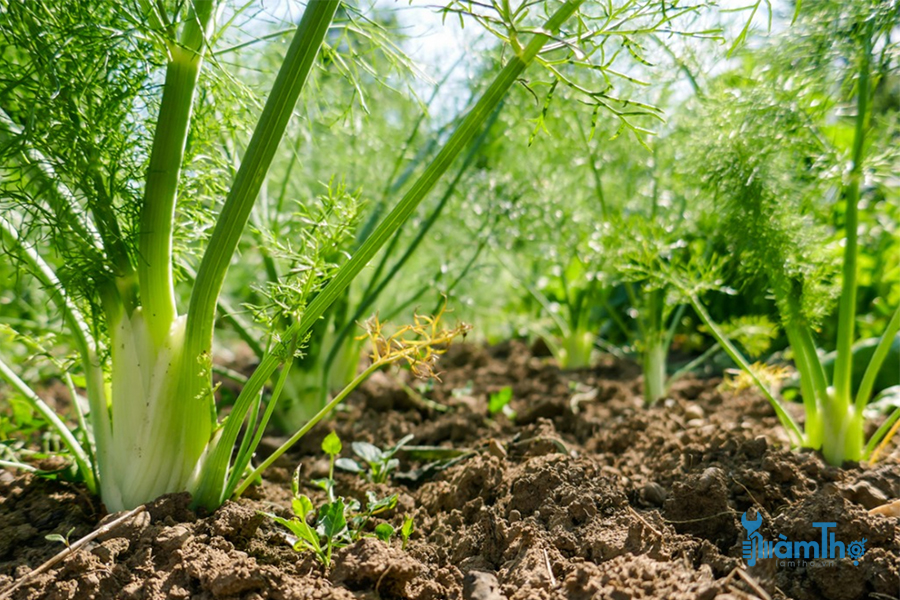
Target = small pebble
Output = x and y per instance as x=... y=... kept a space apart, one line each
x=863 y=492
x=654 y=493
x=887 y=510
x=709 y=478
x=693 y=411
x=495 y=448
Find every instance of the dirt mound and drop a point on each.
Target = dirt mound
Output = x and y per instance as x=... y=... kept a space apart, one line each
x=587 y=494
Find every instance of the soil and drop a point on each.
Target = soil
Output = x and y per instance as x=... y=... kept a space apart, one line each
x=587 y=494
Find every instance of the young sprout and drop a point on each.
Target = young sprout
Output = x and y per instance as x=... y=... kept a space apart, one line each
x=55 y=537
x=406 y=530
x=339 y=521
x=499 y=402
x=380 y=462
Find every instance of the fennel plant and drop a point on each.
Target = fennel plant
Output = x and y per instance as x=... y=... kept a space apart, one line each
x=152 y=412
x=769 y=177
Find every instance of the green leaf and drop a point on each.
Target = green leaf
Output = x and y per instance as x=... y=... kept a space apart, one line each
x=375 y=505
x=331 y=445
x=324 y=483
x=384 y=532
x=332 y=519
x=348 y=464
x=499 y=399
x=295 y=482
x=433 y=452
x=405 y=440
x=407 y=529
x=55 y=537
x=368 y=452
x=307 y=538
x=301 y=506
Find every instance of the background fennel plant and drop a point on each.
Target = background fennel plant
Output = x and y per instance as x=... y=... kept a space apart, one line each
x=779 y=238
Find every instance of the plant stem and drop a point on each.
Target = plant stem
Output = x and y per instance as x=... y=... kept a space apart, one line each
x=78 y=453
x=305 y=429
x=878 y=357
x=157 y=217
x=786 y=420
x=227 y=233
x=254 y=166
x=843 y=366
x=654 y=362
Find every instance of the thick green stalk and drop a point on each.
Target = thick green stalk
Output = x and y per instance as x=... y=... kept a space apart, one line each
x=463 y=135
x=842 y=424
x=654 y=363
x=226 y=235
x=843 y=367
x=254 y=166
x=158 y=208
x=655 y=348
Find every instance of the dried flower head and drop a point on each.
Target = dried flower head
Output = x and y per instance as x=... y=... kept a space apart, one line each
x=419 y=344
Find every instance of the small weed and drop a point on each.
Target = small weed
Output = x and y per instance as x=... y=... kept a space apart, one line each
x=499 y=402
x=340 y=521
x=63 y=539
x=380 y=462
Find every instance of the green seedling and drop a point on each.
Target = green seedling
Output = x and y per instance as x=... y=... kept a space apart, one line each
x=499 y=402
x=380 y=462
x=406 y=530
x=55 y=537
x=339 y=521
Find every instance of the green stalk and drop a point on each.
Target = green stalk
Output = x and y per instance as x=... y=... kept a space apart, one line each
x=78 y=327
x=878 y=357
x=842 y=424
x=226 y=235
x=887 y=429
x=248 y=445
x=394 y=183
x=158 y=207
x=254 y=166
x=786 y=420
x=692 y=365
x=655 y=349
x=463 y=135
x=376 y=288
x=254 y=475
x=813 y=398
x=232 y=316
x=654 y=364
x=843 y=366
x=82 y=460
